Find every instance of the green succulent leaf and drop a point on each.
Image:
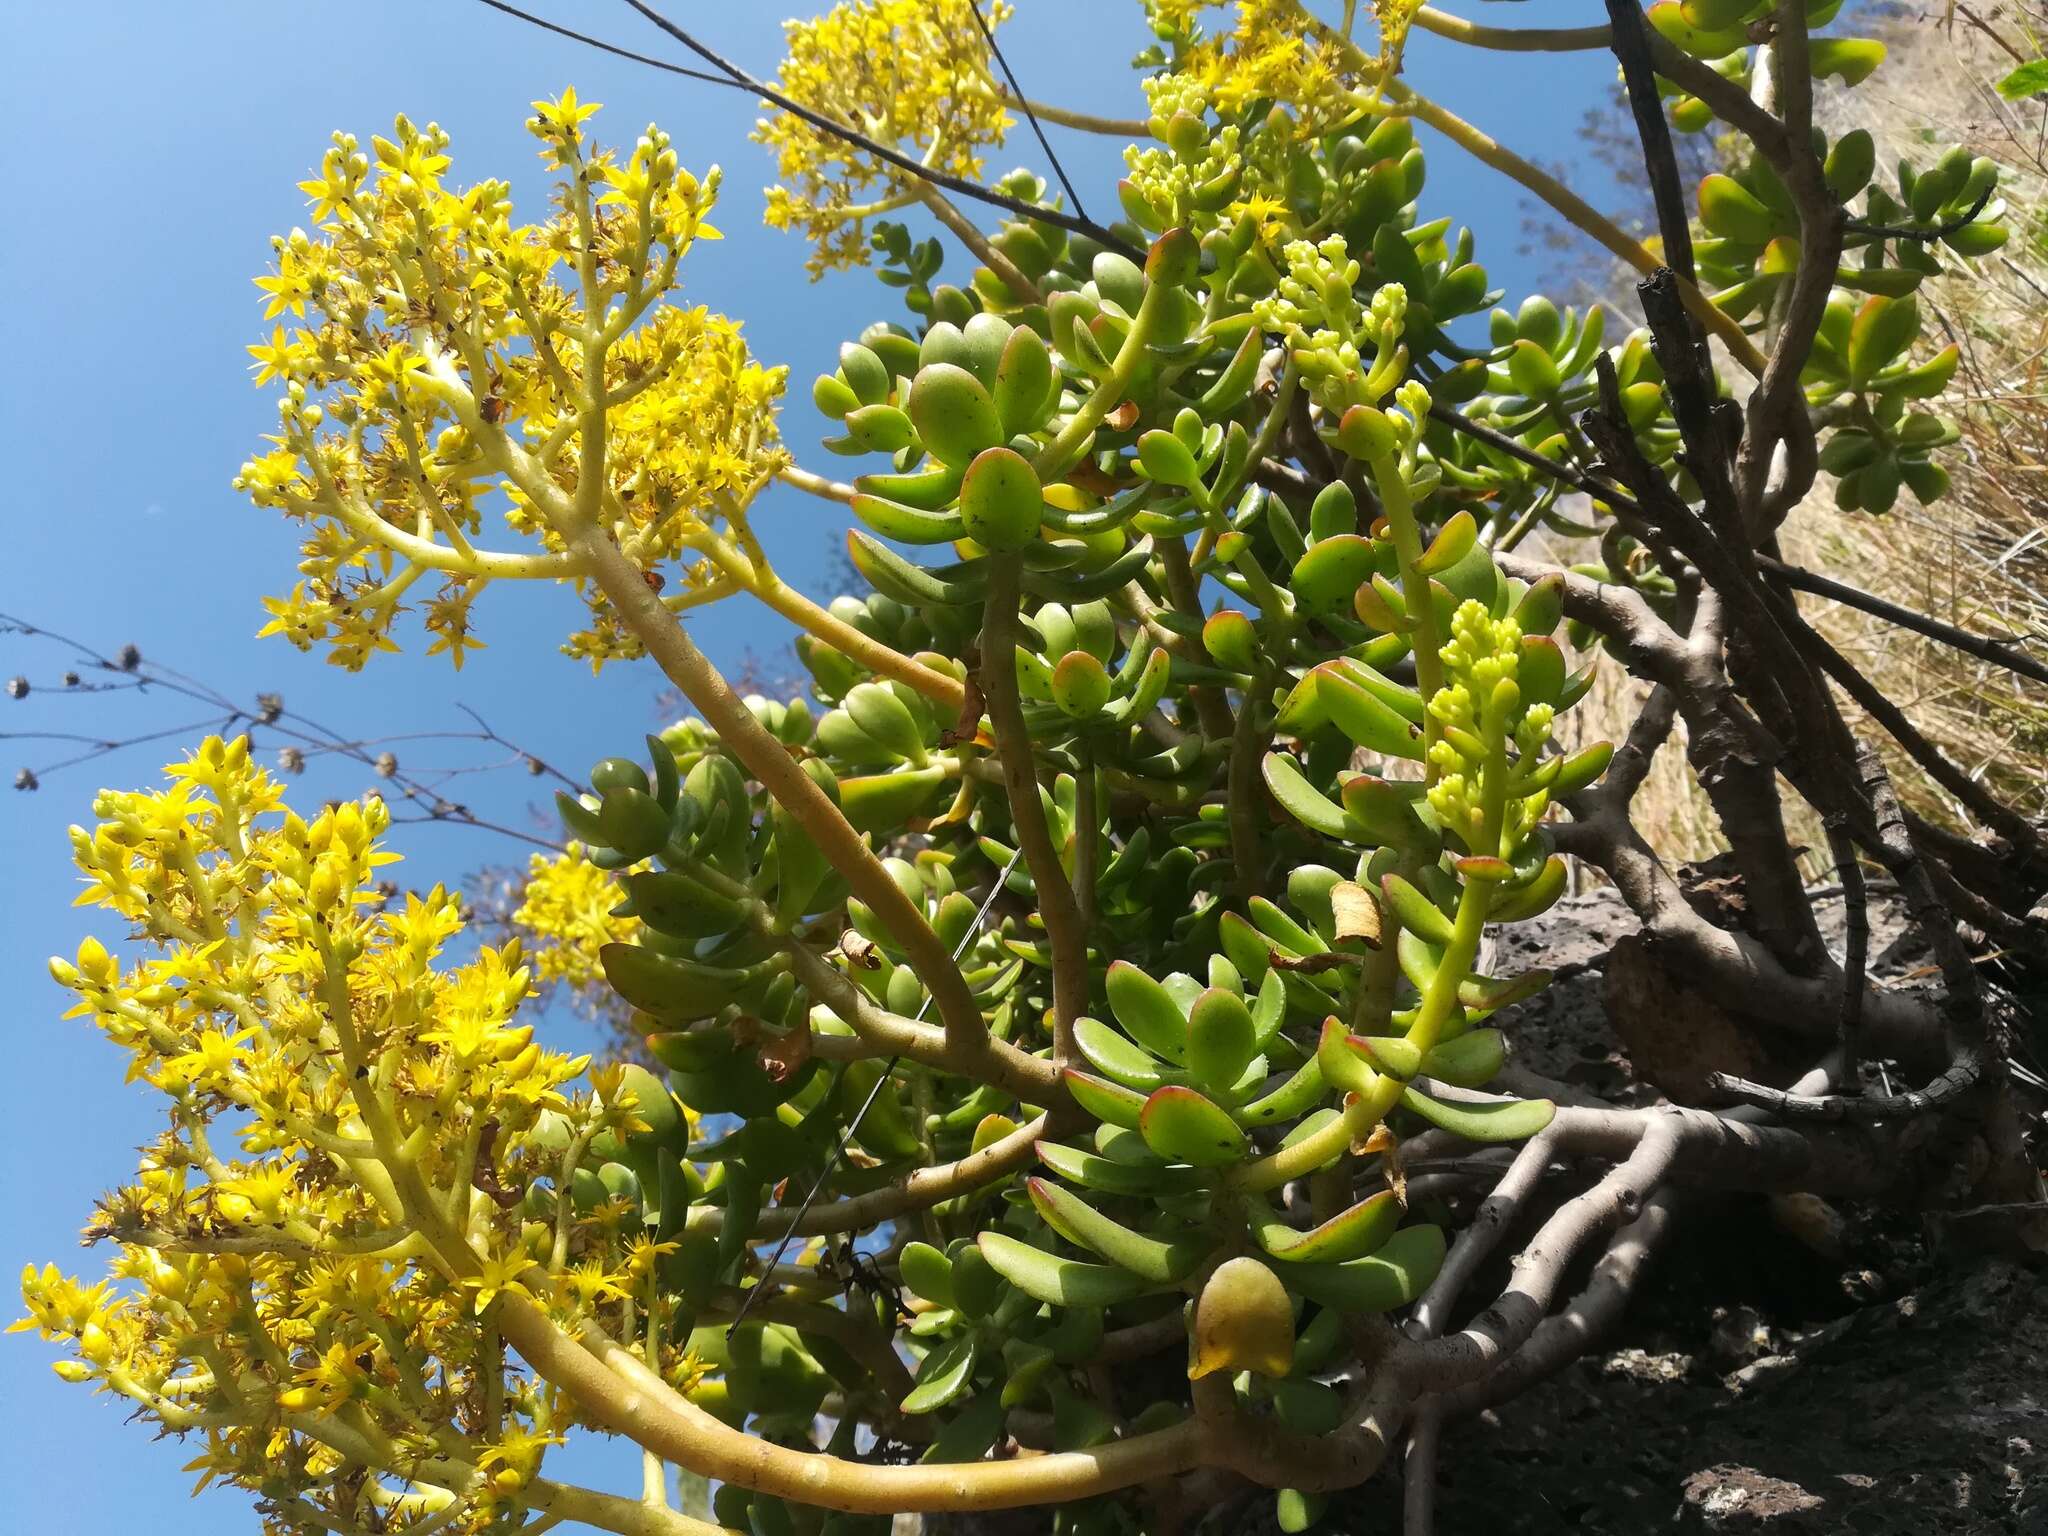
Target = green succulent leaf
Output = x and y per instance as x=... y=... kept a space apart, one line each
x=1084 y=1226
x=1061 y=1282
x=1498 y=1120
x=1350 y=1234
x=1147 y=1012
x=1111 y=1177
x=928 y=1273
x=1395 y=1275
x=1222 y=1039
x=1109 y=1102
x=1115 y=1057
x=943 y=1375
x=1184 y=1126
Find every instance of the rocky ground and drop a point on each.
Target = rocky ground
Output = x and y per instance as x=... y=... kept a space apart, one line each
x=1786 y=1370
x=1732 y=1401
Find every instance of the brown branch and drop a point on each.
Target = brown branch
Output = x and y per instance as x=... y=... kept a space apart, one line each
x=1630 y=39
x=2000 y=652
x=1065 y=932
x=1915 y=232
x=1859 y=1109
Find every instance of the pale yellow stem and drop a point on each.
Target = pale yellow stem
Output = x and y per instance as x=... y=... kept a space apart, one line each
x=360 y=520
x=1575 y=211
x=1007 y=272
x=817 y=485
x=760 y=579
x=614 y=1387
x=1087 y=122
x=1513 y=39
x=609 y=1512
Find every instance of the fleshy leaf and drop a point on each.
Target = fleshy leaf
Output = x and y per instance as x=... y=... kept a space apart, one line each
x=1061 y=1282
x=1180 y=1124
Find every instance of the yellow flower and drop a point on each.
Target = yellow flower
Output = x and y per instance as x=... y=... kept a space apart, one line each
x=500 y=1275
x=911 y=74
x=433 y=409
x=280 y=358
x=560 y=122
x=567 y=912
x=515 y=1458
x=590 y=1282
x=272 y=1001
x=1275 y=51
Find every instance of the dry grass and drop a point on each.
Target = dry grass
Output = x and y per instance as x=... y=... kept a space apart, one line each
x=1979 y=557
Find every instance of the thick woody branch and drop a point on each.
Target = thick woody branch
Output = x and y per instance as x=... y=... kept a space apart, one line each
x=1065 y=933
x=1631 y=43
x=1859 y=1109
x=1540 y=1268
x=617 y=1390
x=770 y=762
x=1577 y=1327
x=1733 y=965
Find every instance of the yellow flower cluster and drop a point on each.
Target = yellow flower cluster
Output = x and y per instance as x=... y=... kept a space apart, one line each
x=1395 y=18
x=1274 y=51
x=432 y=352
x=567 y=909
x=347 y=1175
x=910 y=74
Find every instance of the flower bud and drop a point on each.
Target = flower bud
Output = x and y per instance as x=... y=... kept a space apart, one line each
x=1185 y=134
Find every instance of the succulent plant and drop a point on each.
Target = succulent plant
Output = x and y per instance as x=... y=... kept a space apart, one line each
x=1059 y=985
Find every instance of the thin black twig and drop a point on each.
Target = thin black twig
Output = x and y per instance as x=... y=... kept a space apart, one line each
x=988 y=36
x=1856 y=947
x=1579 y=479
x=1998 y=651
x=305 y=737
x=1071 y=222
x=612 y=48
x=1914 y=231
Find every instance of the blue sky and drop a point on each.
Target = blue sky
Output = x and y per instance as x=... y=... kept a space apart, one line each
x=153 y=151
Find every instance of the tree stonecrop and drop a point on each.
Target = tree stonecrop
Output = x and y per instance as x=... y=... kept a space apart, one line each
x=1056 y=1009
